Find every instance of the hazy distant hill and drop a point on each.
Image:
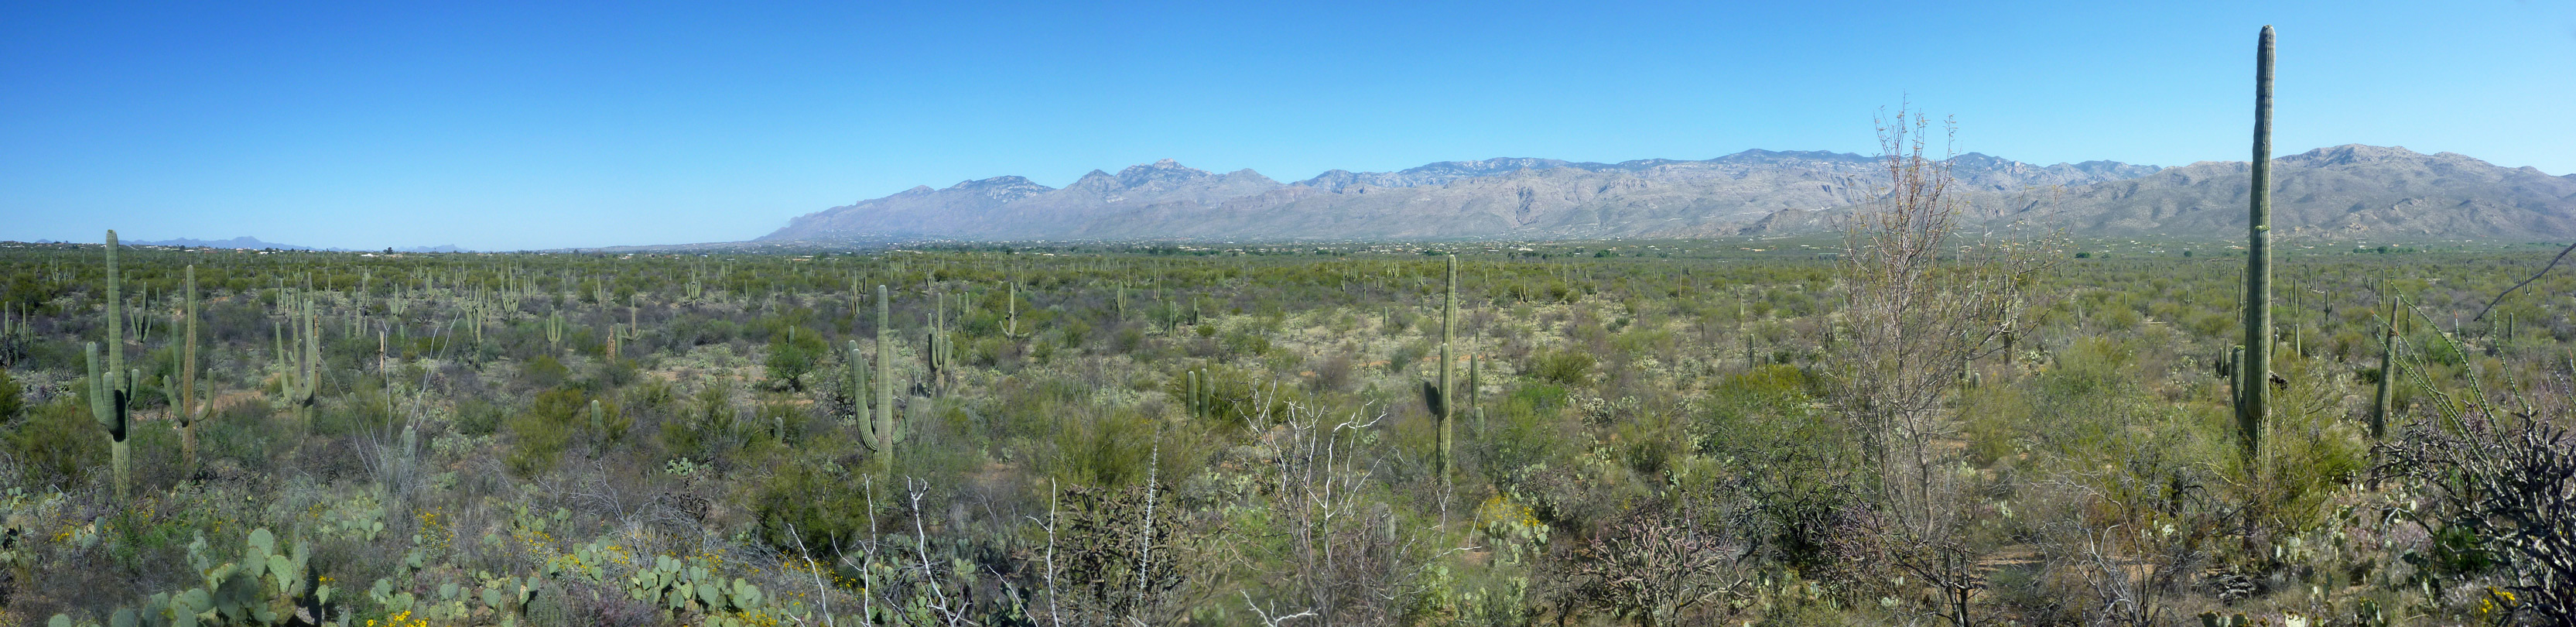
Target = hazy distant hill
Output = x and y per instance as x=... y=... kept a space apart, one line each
x=2358 y=191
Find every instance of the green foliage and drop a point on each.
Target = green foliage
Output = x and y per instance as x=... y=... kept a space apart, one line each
x=13 y=399
x=1567 y=367
x=538 y=435
x=263 y=587
x=1109 y=450
x=546 y=372
x=57 y=443
x=475 y=416
x=794 y=354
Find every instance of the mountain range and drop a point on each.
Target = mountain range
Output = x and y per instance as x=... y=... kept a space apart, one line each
x=2347 y=192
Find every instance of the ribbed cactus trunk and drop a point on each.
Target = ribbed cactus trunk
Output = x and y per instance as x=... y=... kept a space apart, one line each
x=2236 y=375
x=111 y=392
x=2256 y=398
x=188 y=411
x=2387 y=372
x=1448 y=390
x=881 y=432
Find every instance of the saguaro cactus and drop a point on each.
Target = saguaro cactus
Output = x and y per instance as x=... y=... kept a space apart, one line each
x=2381 y=398
x=185 y=406
x=554 y=329
x=1448 y=389
x=1011 y=324
x=939 y=353
x=882 y=432
x=112 y=391
x=2255 y=398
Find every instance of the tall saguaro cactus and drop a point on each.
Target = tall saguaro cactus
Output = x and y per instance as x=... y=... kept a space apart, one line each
x=2382 y=397
x=1448 y=388
x=185 y=406
x=882 y=432
x=111 y=392
x=2255 y=397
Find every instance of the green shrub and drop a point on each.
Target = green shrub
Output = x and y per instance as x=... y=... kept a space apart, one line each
x=792 y=355
x=538 y=436
x=58 y=443
x=546 y=372
x=1568 y=367
x=816 y=506
x=12 y=398
x=475 y=416
x=1109 y=450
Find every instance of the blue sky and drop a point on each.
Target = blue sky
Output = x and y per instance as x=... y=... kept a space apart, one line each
x=532 y=125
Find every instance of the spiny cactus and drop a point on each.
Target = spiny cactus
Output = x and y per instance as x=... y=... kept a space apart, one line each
x=264 y=587
x=1198 y=393
x=300 y=370
x=939 y=352
x=2254 y=398
x=1011 y=326
x=1448 y=390
x=2385 y=394
x=554 y=329
x=188 y=409
x=882 y=432
x=111 y=392
x=2235 y=373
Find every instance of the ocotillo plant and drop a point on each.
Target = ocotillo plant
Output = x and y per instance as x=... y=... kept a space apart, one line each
x=883 y=433
x=112 y=391
x=2255 y=398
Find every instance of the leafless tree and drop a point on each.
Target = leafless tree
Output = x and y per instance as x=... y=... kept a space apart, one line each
x=1920 y=302
x=1657 y=566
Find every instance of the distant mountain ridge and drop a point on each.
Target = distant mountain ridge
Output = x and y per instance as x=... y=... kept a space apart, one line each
x=2353 y=190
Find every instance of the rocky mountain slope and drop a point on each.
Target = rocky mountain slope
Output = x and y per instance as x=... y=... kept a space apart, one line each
x=2341 y=192
x=2356 y=191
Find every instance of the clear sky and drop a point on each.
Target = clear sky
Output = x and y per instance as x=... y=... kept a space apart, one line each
x=536 y=125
